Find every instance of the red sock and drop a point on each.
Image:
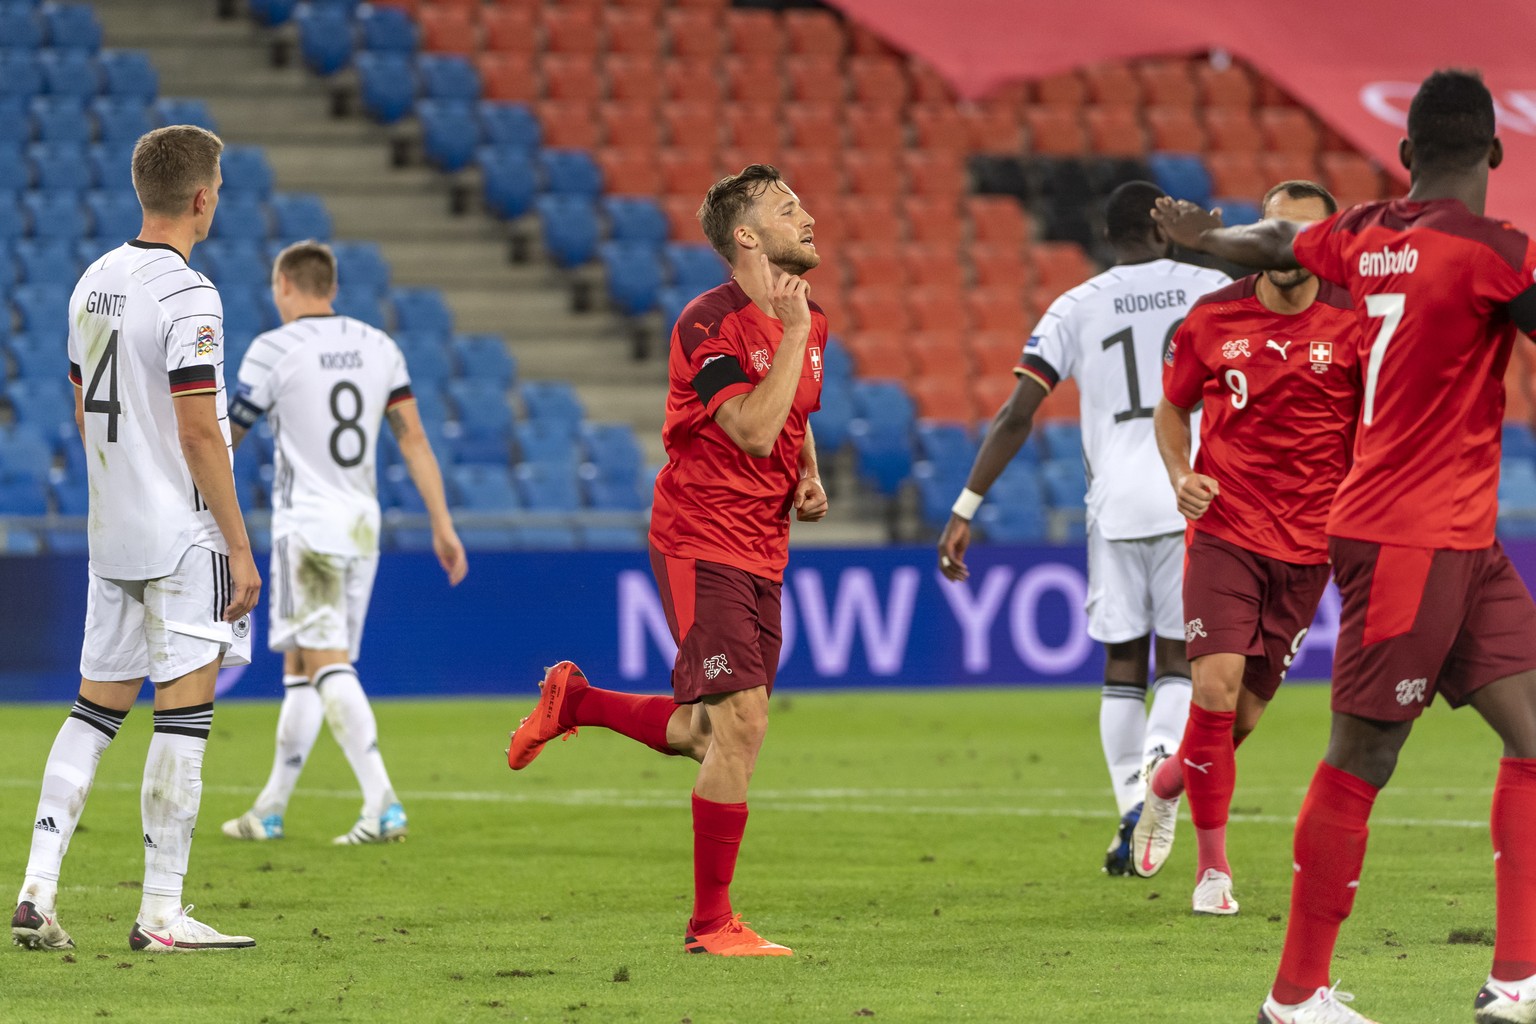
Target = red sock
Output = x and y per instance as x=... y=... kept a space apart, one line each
x=1168 y=780
x=639 y=716
x=1330 y=848
x=1209 y=777
x=717 y=830
x=1514 y=853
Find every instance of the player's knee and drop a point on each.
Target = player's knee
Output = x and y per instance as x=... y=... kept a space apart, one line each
x=1373 y=763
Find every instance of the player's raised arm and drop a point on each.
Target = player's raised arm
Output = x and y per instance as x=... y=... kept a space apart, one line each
x=1265 y=245
x=202 y=444
x=416 y=450
x=754 y=420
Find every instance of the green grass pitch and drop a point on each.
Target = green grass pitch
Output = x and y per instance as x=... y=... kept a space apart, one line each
x=931 y=856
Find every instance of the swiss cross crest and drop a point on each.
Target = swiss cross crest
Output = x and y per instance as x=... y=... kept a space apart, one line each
x=762 y=362
x=816 y=362
x=1321 y=351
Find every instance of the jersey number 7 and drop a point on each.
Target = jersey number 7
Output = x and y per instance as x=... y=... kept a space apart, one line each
x=111 y=406
x=1389 y=306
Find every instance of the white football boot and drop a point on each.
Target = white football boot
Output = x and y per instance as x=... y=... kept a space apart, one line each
x=386 y=828
x=184 y=934
x=34 y=929
x=251 y=825
x=1214 y=894
x=1152 y=841
x=1506 y=1002
x=1325 y=1007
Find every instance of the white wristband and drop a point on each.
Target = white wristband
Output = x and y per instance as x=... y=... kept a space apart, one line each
x=966 y=505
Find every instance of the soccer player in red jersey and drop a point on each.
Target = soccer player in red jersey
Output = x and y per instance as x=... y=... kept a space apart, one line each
x=745 y=372
x=1272 y=357
x=1431 y=604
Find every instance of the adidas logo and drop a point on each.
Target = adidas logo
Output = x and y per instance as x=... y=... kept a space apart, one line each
x=46 y=825
x=149 y=844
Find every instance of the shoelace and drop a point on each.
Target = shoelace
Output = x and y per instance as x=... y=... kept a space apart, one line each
x=197 y=927
x=1333 y=1002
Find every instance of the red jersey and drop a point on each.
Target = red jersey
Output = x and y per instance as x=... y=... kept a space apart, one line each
x=1281 y=393
x=713 y=500
x=1439 y=292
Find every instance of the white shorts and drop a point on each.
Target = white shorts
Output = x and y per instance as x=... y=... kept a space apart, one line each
x=1135 y=587
x=318 y=601
x=162 y=628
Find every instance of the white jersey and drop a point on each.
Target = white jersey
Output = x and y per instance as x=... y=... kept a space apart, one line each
x=1110 y=333
x=143 y=327
x=326 y=382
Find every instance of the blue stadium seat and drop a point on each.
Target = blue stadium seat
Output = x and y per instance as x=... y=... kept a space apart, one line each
x=10 y=274
x=547 y=441
x=426 y=358
x=449 y=133
x=42 y=403
x=24 y=455
x=937 y=484
x=246 y=171
x=55 y=215
x=1237 y=211
x=68 y=73
x=59 y=166
x=614 y=495
x=510 y=126
x=1519 y=443
x=637 y=220
x=1182 y=176
x=695 y=268
x=362 y=265
x=447 y=77
x=833 y=422
x=39 y=355
x=243 y=309
x=325 y=37
x=613 y=450
x=570 y=172
x=60 y=119
x=271 y=12
x=485 y=422
x=121 y=119
x=612 y=538
x=386 y=29
x=22 y=498
x=569 y=227
x=297 y=216
x=46 y=261
x=883 y=456
x=485 y=357
x=115 y=214
x=633 y=273
x=21 y=29
x=248 y=465
x=111 y=165
x=239 y=217
x=398 y=491
x=548 y=487
x=128 y=74
x=388 y=85
x=1065 y=484
x=72 y=26
x=231 y=263
x=553 y=401
x=483 y=488
x=1012 y=523
x=510 y=181
x=362 y=304
x=1062 y=439
x=72 y=497
x=41 y=306
x=885 y=405
x=15 y=171
x=946 y=444
x=1020 y=483
x=544 y=538
x=184 y=111
x=433 y=408
x=422 y=309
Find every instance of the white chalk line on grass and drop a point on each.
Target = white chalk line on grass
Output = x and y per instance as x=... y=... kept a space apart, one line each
x=808 y=801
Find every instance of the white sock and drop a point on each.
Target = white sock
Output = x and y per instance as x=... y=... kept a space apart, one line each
x=1165 y=722
x=298 y=724
x=351 y=720
x=1122 y=730
x=173 y=789
x=67 y=779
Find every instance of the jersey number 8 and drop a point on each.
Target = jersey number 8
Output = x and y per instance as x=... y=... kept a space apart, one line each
x=347 y=424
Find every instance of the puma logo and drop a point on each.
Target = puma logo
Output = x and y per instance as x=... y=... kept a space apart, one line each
x=1203 y=769
x=711 y=327
x=1272 y=343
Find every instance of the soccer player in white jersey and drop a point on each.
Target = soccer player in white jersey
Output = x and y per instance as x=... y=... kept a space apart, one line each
x=172 y=581
x=326 y=381
x=1110 y=333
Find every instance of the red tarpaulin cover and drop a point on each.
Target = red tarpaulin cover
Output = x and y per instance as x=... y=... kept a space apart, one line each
x=1355 y=63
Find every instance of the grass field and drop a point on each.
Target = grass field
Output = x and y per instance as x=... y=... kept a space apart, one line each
x=931 y=857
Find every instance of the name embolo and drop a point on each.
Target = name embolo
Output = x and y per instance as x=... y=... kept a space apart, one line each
x=341 y=360
x=1173 y=298
x=1389 y=261
x=105 y=303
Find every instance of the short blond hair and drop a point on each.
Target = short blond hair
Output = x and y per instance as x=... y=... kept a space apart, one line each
x=309 y=266
x=170 y=164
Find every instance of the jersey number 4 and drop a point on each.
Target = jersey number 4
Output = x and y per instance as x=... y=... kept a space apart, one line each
x=1389 y=306
x=107 y=368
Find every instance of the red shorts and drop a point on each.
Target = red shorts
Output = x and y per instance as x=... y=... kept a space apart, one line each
x=726 y=624
x=1421 y=621
x=1239 y=602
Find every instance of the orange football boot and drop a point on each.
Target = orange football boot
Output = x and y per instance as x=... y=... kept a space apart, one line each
x=734 y=938
x=544 y=724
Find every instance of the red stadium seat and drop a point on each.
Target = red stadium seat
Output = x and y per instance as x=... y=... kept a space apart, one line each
x=1067 y=89
x=1290 y=130
x=630 y=126
x=572 y=30
x=753 y=126
x=754 y=33
x=633 y=78
x=864 y=43
x=998 y=308
x=942 y=397
x=935 y=221
x=510 y=29
x=686 y=81
x=1063 y=403
x=1278 y=167
x=992 y=128
x=1175 y=130
x=1113 y=85
x=924 y=268
x=937 y=173
x=876 y=220
x=691 y=125
x=878 y=80
x=683 y=215
x=876 y=351
x=941 y=353
x=408 y=6
x=939 y=126
x=1016 y=97
x=874 y=173
x=569 y=124
x=1060 y=266
x=816 y=79
x=1237 y=176
x=830 y=229
x=716 y=6
x=630 y=172
x=1233 y=131
x=632 y=30
x=1001 y=266
x=878 y=309
x=817 y=33
x=1353 y=179
x=873 y=265
x=447 y=29
x=572 y=78
x=815 y=175
x=1231 y=87
x=651 y=6
x=998 y=220
x=874 y=126
x=508 y=77
x=994 y=352
x=688 y=171
x=1056 y=131
x=1168 y=83
x=991 y=387
x=694 y=34
x=934 y=308
x=1114 y=131
x=473 y=6
x=754 y=79
x=1268 y=94
x=928 y=86
x=814 y=125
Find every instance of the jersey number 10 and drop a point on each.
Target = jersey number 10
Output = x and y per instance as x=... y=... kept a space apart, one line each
x=107 y=367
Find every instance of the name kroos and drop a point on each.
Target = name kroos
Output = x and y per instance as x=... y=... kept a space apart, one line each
x=1389 y=261
x=341 y=360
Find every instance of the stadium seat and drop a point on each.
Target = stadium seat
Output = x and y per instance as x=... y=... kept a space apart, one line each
x=423 y=310
x=482 y=488
x=1229 y=86
x=15 y=171
x=184 y=111
x=1167 y=83
x=72 y=26
x=508 y=76
x=271 y=12
x=485 y=357
x=1114 y=131
x=875 y=126
x=232 y=263
x=695 y=36
x=121 y=119
x=361 y=304
x=246 y=171
x=22 y=498
x=49 y=260
x=1352 y=178
x=631 y=125
x=572 y=77
x=633 y=273
x=297 y=216
x=1236 y=174
x=572 y=29
x=509 y=181
x=695 y=268
x=635 y=78
x=1065 y=484
x=601 y=537
x=445 y=77
x=939 y=174
x=1290 y=130
x=569 y=228
x=24 y=455
x=548 y=487
x=570 y=172
x=570 y=125
x=115 y=214
x=1288 y=166
x=510 y=29
x=1012 y=522
x=43 y=403
x=37 y=355
x=1064 y=89
x=1182 y=176
x=20 y=28
x=485 y=421
x=128 y=74
x=362 y=265
x=752 y=124
x=1174 y=130
x=552 y=402
x=57 y=215
x=1056 y=131
x=448 y=29
x=1061 y=439
x=385 y=29
x=111 y=165
x=72 y=497
x=68 y=73
x=883 y=457
x=635 y=220
x=1233 y=131
x=325 y=35
x=877 y=80
x=509 y=126
x=449 y=133
x=426 y=358
x=388 y=85
x=991 y=128
x=240 y=217
x=939 y=127
x=59 y=166
x=944 y=397
x=60 y=119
